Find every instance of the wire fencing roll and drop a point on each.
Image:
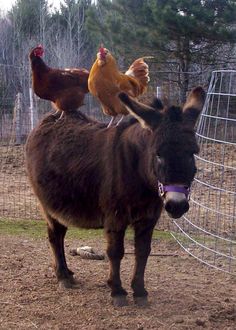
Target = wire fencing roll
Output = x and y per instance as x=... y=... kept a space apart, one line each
x=208 y=230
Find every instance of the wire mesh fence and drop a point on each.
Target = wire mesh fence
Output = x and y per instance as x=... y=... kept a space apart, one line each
x=17 y=200
x=208 y=231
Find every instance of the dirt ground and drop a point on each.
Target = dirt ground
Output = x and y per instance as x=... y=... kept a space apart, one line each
x=183 y=293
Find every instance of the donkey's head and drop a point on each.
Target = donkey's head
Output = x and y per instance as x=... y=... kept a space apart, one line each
x=173 y=146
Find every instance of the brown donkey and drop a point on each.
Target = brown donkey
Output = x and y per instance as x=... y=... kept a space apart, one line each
x=90 y=176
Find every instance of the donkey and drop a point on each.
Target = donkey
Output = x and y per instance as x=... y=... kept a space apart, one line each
x=87 y=175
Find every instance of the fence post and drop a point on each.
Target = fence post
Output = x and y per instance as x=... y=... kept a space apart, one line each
x=159 y=92
x=32 y=110
x=17 y=120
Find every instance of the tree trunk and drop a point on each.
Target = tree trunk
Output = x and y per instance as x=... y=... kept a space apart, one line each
x=184 y=67
x=184 y=86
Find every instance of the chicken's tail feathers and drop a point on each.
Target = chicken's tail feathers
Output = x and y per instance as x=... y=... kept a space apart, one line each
x=139 y=69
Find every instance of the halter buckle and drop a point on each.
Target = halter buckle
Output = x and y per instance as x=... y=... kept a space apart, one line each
x=161 y=189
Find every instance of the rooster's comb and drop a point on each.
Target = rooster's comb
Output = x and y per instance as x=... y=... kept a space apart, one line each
x=38 y=50
x=101 y=48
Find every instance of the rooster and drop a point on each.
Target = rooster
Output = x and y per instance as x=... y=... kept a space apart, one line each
x=66 y=88
x=105 y=82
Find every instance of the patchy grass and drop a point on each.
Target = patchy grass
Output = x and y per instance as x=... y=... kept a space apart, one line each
x=34 y=229
x=37 y=229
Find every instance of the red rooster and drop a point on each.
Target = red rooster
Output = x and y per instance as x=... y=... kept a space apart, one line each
x=65 y=88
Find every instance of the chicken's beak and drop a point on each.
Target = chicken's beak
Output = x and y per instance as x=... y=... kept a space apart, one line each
x=101 y=59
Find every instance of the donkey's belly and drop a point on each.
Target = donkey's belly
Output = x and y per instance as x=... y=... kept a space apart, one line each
x=79 y=219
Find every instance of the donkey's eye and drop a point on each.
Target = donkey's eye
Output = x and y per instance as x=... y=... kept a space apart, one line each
x=158 y=158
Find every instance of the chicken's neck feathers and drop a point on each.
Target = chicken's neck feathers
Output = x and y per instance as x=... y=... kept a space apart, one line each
x=38 y=64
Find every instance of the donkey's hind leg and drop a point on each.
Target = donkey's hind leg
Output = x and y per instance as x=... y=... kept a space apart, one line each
x=56 y=235
x=115 y=252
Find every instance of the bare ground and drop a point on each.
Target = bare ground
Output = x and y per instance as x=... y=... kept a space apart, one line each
x=183 y=293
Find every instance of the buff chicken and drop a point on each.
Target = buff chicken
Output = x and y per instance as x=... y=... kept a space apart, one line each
x=65 y=88
x=105 y=82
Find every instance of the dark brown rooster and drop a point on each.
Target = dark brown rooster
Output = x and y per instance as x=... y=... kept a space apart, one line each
x=65 y=88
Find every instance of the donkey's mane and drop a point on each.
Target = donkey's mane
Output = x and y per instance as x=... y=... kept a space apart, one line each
x=79 y=115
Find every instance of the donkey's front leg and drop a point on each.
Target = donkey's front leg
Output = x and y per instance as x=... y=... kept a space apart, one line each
x=115 y=252
x=143 y=235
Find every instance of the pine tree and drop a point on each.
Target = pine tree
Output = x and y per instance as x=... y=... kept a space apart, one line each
x=184 y=33
x=191 y=31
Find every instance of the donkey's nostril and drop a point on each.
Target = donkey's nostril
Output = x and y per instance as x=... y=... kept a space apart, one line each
x=176 y=209
x=170 y=206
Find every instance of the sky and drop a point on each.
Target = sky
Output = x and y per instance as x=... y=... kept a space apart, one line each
x=7 y=4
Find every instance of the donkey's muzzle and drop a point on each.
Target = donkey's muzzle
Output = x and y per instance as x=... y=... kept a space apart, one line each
x=176 y=209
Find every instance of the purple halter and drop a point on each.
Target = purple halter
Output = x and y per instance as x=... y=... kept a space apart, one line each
x=181 y=189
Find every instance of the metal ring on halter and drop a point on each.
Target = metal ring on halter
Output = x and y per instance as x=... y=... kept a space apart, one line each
x=161 y=189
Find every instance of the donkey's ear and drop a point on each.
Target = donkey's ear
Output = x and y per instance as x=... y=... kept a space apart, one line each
x=156 y=104
x=194 y=105
x=148 y=117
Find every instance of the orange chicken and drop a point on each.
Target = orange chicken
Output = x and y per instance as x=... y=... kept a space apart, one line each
x=65 y=88
x=105 y=82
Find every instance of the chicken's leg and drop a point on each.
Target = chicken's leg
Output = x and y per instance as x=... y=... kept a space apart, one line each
x=62 y=113
x=120 y=120
x=111 y=121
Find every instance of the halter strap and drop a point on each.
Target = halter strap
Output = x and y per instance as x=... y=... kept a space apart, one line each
x=162 y=189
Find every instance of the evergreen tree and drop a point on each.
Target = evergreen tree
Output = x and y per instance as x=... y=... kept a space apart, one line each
x=184 y=33
x=117 y=24
x=191 y=31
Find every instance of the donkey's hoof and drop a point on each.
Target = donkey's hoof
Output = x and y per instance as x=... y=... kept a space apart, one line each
x=65 y=284
x=119 y=301
x=68 y=283
x=141 y=301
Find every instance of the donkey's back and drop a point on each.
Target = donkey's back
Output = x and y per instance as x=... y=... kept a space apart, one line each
x=66 y=168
